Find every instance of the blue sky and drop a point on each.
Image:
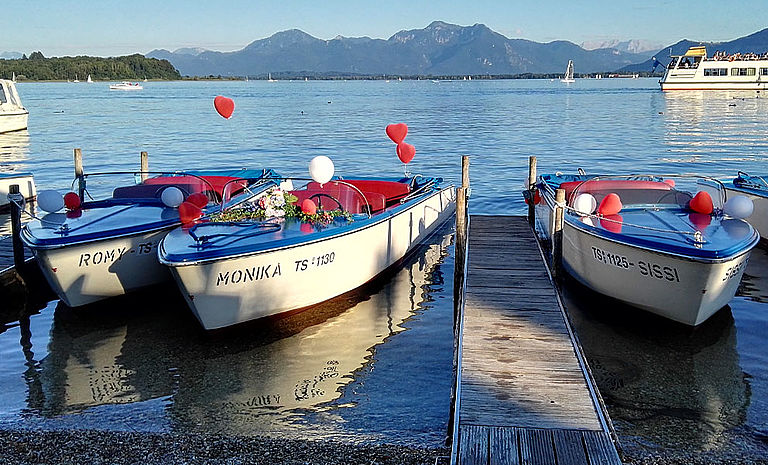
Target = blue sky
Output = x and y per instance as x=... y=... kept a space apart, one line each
x=109 y=27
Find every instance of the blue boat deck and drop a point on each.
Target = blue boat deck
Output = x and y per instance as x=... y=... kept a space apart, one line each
x=524 y=395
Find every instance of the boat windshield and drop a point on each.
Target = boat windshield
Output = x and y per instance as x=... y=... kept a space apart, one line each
x=654 y=192
x=155 y=187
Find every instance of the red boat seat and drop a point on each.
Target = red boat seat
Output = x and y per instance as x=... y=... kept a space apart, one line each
x=204 y=183
x=631 y=191
x=349 y=198
x=213 y=186
x=392 y=191
x=149 y=191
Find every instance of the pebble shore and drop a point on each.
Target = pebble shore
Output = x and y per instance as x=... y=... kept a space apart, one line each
x=120 y=448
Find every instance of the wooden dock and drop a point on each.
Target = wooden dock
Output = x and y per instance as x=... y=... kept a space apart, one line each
x=524 y=395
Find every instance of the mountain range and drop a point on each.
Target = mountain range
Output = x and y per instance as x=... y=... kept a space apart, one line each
x=755 y=43
x=438 y=49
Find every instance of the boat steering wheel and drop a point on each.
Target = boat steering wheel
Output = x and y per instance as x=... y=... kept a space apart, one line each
x=321 y=195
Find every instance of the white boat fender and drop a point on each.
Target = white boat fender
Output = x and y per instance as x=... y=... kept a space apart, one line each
x=585 y=203
x=739 y=206
x=50 y=200
x=172 y=196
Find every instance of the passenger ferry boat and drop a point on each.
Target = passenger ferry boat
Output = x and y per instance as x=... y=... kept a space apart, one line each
x=695 y=71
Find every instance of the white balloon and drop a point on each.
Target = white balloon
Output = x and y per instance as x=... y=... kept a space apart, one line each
x=739 y=206
x=172 y=196
x=50 y=200
x=585 y=204
x=321 y=169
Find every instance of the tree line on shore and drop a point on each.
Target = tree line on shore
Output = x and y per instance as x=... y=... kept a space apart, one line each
x=36 y=67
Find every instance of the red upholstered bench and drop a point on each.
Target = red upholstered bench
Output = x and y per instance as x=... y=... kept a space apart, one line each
x=203 y=183
x=350 y=199
x=391 y=190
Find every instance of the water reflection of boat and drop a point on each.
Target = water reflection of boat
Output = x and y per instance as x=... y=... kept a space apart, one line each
x=675 y=387
x=754 y=284
x=14 y=148
x=261 y=378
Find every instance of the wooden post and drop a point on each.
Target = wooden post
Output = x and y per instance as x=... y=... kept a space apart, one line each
x=557 y=234
x=459 y=279
x=531 y=190
x=79 y=174
x=15 y=198
x=144 y=166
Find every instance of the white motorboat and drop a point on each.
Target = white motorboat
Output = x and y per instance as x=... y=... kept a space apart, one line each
x=754 y=188
x=695 y=71
x=126 y=85
x=568 y=77
x=13 y=115
x=104 y=248
x=26 y=184
x=233 y=271
x=651 y=243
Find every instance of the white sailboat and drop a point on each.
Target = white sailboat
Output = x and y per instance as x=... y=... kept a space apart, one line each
x=89 y=80
x=269 y=78
x=568 y=78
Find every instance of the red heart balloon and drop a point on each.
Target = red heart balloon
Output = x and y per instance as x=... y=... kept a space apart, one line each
x=199 y=199
x=611 y=205
x=701 y=203
x=225 y=106
x=405 y=152
x=612 y=223
x=308 y=207
x=397 y=132
x=189 y=212
x=71 y=200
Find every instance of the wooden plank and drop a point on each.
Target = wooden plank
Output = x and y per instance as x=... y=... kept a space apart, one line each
x=569 y=447
x=473 y=445
x=520 y=374
x=503 y=447
x=536 y=447
x=600 y=449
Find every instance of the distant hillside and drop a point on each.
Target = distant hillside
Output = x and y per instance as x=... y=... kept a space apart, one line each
x=438 y=49
x=757 y=43
x=131 y=67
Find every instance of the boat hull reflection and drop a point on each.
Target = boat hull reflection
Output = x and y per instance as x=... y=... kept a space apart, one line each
x=257 y=379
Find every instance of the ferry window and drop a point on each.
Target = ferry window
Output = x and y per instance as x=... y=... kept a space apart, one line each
x=734 y=71
x=763 y=71
x=751 y=71
x=3 y=99
x=715 y=72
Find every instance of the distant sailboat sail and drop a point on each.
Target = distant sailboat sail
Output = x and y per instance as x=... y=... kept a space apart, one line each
x=89 y=79
x=568 y=73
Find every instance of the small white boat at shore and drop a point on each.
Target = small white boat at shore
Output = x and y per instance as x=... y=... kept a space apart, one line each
x=108 y=247
x=694 y=70
x=651 y=243
x=231 y=272
x=754 y=188
x=126 y=85
x=13 y=115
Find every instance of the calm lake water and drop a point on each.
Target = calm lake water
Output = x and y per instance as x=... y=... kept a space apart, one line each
x=376 y=367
